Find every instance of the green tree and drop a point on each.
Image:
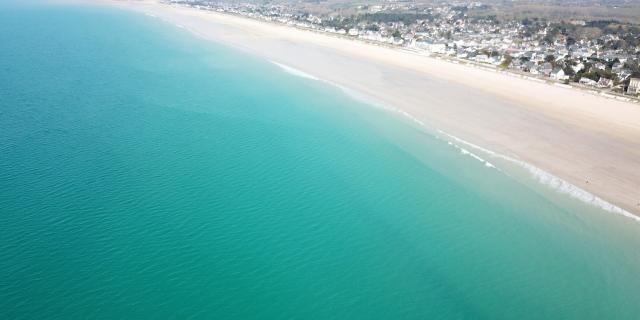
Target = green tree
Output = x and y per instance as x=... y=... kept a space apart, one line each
x=568 y=71
x=506 y=62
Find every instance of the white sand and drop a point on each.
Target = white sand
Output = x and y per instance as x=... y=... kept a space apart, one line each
x=592 y=142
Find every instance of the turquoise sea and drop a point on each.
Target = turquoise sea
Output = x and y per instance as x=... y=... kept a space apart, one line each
x=147 y=174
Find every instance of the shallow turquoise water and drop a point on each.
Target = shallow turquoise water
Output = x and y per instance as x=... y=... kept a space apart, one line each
x=146 y=174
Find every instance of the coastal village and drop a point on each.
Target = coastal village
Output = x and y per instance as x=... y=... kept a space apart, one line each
x=599 y=55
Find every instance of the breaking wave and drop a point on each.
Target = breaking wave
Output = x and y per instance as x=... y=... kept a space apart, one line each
x=554 y=182
x=294 y=71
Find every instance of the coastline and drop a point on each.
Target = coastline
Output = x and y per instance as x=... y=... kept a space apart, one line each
x=567 y=133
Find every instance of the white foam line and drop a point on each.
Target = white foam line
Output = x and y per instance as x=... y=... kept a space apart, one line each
x=552 y=181
x=196 y=33
x=542 y=176
x=294 y=71
x=472 y=155
x=352 y=93
x=461 y=149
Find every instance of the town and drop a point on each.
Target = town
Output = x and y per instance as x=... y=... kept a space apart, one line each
x=602 y=55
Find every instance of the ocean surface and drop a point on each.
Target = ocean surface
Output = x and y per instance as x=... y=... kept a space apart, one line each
x=147 y=174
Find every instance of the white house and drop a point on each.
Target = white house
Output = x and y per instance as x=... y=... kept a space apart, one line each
x=482 y=58
x=558 y=74
x=546 y=68
x=605 y=83
x=577 y=67
x=587 y=81
x=600 y=65
x=437 y=48
x=634 y=86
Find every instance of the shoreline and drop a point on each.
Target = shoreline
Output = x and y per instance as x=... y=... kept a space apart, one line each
x=469 y=63
x=571 y=135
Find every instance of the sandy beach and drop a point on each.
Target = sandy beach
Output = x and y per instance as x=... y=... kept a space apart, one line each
x=591 y=142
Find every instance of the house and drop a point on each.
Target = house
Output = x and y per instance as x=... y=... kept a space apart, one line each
x=546 y=68
x=624 y=74
x=634 y=86
x=529 y=65
x=482 y=58
x=495 y=60
x=516 y=64
x=437 y=48
x=432 y=47
x=617 y=67
x=558 y=74
x=587 y=82
x=605 y=83
x=577 y=67
x=600 y=66
x=534 y=70
x=538 y=57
